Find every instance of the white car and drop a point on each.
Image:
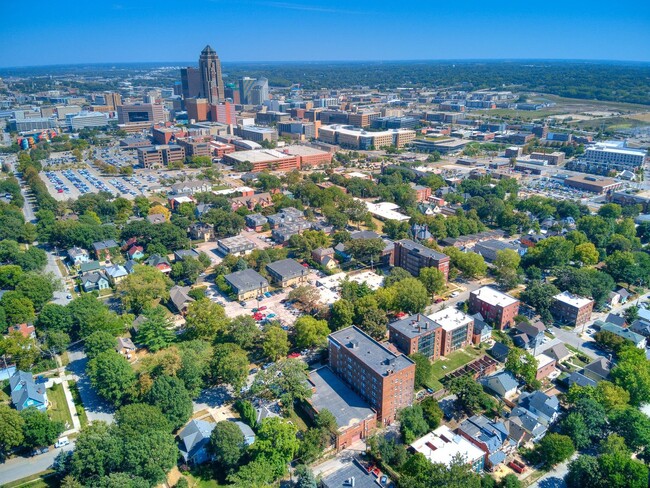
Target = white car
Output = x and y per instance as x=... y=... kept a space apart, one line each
x=63 y=441
x=454 y=294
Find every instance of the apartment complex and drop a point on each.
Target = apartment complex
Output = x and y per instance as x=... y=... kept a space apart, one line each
x=456 y=329
x=416 y=334
x=247 y=283
x=352 y=137
x=615 y=155
x=572 y=309
x=555 y=158
x=382 y=378
x=413 y=257
x=497 y=308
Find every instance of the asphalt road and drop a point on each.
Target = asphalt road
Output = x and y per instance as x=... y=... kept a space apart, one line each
x=20 y=467
x=96 y=408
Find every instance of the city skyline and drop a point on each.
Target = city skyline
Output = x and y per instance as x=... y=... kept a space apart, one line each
x=267 y=31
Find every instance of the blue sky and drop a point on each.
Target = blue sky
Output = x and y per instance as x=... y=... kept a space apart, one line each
x=70 y=32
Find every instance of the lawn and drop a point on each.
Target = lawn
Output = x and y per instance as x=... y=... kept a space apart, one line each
x=46 y=479
x=58 y=406
x=76 y=398
x=453 y=361
x=201 y=477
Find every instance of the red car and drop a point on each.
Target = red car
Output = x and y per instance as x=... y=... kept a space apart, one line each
x=262 y=308
x=294 y=355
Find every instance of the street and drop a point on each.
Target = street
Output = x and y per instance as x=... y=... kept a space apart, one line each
x=96 y=408
x=20 y=467
x=555 y=477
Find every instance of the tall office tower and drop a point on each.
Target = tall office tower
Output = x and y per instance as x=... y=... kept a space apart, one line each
x=245 y=87
x=113 y=99
x=260 y=92
x=211 y=80
x=232 y=92
x=191 y=82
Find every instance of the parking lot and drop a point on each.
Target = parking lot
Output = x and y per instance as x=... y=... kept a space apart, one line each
x=70 y=183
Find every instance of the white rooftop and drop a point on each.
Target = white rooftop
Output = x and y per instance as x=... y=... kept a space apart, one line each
x=494 y=297
x=543 y=360
x=229 y=191
x=386 y=210
x=573 y=300
x=258 y=155
x=618 y=147
x=450 y=318
x=442 y=445
x=183 y=199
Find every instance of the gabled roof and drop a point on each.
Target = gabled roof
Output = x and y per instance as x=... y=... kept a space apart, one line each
x=540 y=402
x=156 y=259
x=93 y=277
x=500 y=351
x=116 y=271
x=531 y=330
x=600 y=367
x=108 y=244
x=558 y=352
x=579 y=379
x=179 y=297
x=23 y=388
x=505 y=379
x=615 y=319
x=492 y=434
x=194 y=436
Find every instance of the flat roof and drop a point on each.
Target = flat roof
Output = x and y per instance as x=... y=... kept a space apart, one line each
x=304 y=151
x=451 y=318
x=357 y=131
x=414 y=326
x=258 y=155
x=591 y=180
x=494 y=297
x=419 y=248
x=573 y=300
x=342 y=476
x=383 y=209
x=368 y=351
x=543 y=360
x=442 y=446
x=236 y=241
x=348 y=408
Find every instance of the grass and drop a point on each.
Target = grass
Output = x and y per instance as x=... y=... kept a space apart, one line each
x=76 y=398
x=65 y=359
x=454 y=361
x=46 y=479
x=58 y=406
x=201 y=477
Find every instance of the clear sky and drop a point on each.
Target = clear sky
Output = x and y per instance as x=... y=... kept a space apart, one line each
x=99 y=31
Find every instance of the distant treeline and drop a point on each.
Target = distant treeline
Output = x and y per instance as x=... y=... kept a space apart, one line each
x=619 y=82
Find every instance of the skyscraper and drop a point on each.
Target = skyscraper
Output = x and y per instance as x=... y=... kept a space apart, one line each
x=191 y=82
x=245 y=87
x=259 y=92
x=211 y=80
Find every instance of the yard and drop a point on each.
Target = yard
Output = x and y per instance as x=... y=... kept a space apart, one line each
x=455 y=360
x=58 y=406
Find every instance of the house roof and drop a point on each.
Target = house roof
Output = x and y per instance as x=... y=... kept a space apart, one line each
x=615 y=319
x=28 y=389
x=156 y=259
x=579 y=379
x=351 y=471
x=125 y=343
x=246 y=280
x=108 y=244
x=558 y=352
x=245 y=429
x=505 y=379
x=415 y=325
x=116 y=271
x=531 y=330
x=538 y=401
x=323 y=251
x=287 y=269
x=600 y=367
x=194 y=436
x=89 y=266
x=93 y=277
x=500 y=351
x=492 y=434
x=179 y=297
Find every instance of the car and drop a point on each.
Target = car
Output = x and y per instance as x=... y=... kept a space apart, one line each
x=253 y=371
x=261 y=308
x=242 y=303
x=68 y=296
x=439 y=300
x=63 y=441
x=384 y=479
x=454 y=294
x=293 y=355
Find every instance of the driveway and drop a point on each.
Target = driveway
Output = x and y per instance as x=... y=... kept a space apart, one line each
x=555 y=477
x=20 y=467
x=211 y=398
x=96 y=407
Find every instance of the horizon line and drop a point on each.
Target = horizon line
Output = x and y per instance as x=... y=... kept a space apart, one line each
x=323 y=61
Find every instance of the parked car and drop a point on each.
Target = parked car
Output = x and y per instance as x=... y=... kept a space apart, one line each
x=517 y=466
x=63 y=441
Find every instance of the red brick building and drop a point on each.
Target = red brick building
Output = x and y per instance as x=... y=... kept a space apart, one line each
x=413 y=257
x=382 y=378
x=496 y=308
x=417 y=333
x=571 y=309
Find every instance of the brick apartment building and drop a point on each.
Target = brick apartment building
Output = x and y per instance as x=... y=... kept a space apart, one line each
x=457 y=329
x=417 y=333
x=572 y=309
x=382 y=378
x=496 y=307
x=413 y=257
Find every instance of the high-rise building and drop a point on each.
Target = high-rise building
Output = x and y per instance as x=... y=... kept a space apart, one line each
x=245 y=87
x=259 y=92
x=191 y=82
x=223 y=113
x=113 y=99
x=151 y=113
x=197 y=109
x=211 y=79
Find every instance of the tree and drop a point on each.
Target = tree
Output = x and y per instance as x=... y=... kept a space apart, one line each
x=37 y=287
x=11 y=430
x=522 y=364
x=470 y=396
x=155 y=332
x=97 y=452
x=306 y=478
x=229 y=365
x=112 y=376
x=633 y=426
x=227 y=446
x=310 y=332
x=610 y=211
x=374 y=323
x=412 y=423
x=54 y=317
x=99 y=342
x=573 y=425
x=142 y=287
x=540 y=296
x=134 y=418
x=276 y=440
x=243 y=331
x=423 y=370
x=632 y=373
x=247 y=412
x=18 y=308
x=341 y=314
x=205 y=319
x=159 y=209
x=259 y=473
x=617 y=469
x=303 y=244
x=470 y=264
x=432 y=412
x=38 y=429
x=284 y=380
x=412 y=296
x=506 y=268
x=149 y=455
x=365 y=250
x=306 y=297
x=276 y=342
x=587 y=254
x=553 y=449
x=170 y=395
x=433 y=280
x=584 y=472
x=122 y=480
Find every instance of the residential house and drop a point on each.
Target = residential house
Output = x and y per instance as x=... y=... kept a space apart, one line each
x=351 y=474
x=200 y=231
x=524 y=426
x=190 y=187
x=160 y=262
x=125 y=346
x=236 y=245
x=247 y=432
x=156 y=219
x=202 y=209
x=490 y=436
x=500 y=352
x=482 y=331
x=194 y=439
x=26 y=393
x=598 y=370
x=247 y=283
x=497 y=308
x=185 y=253
x=77 y=255
x=25 y=330
x=256 y=222
x=95 y=280
x=318 y=255
x=636 y=339
x=116 y=273
x=641 y=327
x=559 y=352
x=489 y=249
x=503 y=384
x=546 y=407
x=624 y=294
x=252 y=202
x=287 y=272
x=130 y=265
x=89 y=266
x=529 y=335
x=178 y=296
x=579 y=379
x=135 y=252
x=617 y=320
x=545 y=366
x=105 y=250
x=442 y=446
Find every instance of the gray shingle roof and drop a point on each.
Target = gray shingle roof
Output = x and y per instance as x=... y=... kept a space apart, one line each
x=287 y=269
x=246 y=280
